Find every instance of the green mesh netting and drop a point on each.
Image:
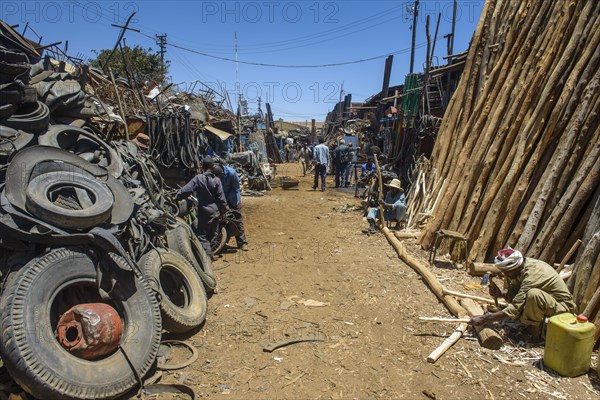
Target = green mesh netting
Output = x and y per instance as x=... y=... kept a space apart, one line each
x=411 y=98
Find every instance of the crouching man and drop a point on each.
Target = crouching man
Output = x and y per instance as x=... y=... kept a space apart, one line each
x=534 y=289
x=233 y=195
x=211 y=203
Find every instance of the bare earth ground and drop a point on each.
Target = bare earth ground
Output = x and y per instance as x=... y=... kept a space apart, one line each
x=312 y=273
x=304 y=248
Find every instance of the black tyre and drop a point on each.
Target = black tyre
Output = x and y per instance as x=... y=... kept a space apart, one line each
x=184 y=303
x=219 y=241
x=69 y=199
x=182 y=240
x=31 y=306
x=31 y=117
x=78 y=140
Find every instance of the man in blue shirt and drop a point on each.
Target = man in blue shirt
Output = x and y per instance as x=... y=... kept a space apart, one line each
x=231 y=187
x=211 y=203
x=321 y=155
x=367 y=167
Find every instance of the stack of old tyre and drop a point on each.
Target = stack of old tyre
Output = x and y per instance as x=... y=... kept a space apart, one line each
x=85 y=224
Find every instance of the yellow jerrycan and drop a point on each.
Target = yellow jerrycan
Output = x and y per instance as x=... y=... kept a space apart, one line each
x=569 y=344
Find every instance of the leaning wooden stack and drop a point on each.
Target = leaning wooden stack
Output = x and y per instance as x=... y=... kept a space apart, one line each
x=519 y=146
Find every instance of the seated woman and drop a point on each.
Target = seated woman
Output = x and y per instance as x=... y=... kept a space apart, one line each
x=394 y=206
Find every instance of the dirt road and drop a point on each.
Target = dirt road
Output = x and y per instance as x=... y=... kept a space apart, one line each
x=310 y=272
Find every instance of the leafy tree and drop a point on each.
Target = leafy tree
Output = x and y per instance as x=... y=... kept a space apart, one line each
x=145 y=64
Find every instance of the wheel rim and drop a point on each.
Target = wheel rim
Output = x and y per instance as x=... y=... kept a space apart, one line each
x=175 y=287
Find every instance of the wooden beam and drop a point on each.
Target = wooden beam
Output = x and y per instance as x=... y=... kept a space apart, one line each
x=489 y=338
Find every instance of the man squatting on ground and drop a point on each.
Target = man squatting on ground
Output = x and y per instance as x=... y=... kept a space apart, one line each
x=534 y=289
x=211 y=202
x=231 y=187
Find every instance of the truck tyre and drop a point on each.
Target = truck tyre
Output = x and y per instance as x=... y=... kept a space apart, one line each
x=31 y=306
x=183 y=299
x=182 y=240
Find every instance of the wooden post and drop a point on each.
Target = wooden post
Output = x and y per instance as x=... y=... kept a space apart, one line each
x=381 y=217
x=121 y=110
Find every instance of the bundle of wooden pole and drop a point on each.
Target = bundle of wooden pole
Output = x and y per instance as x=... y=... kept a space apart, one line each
x=519 y=146
x=423 y=194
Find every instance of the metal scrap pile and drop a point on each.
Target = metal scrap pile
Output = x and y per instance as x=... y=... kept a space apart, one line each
x=94 y=262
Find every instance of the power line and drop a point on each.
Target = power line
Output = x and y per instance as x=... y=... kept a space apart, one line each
x=288 y=66
x=243 y=49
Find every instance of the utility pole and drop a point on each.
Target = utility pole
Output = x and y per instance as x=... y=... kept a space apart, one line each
x=451 y=42
x=414 y=35
x=237 y=92
x=161 y=41
x=341 y=106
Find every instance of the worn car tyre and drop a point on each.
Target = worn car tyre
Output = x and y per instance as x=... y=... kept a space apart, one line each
x=30 y=117
x=30 y=308
x=66 y=212
x=183 y=299
x=219 y=241
x=182 y=240
x=66 y=137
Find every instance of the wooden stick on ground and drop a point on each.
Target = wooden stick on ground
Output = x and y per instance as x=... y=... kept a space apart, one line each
x=406 y=235
x=473 y=297
x=457 y=334
x=436 y=319
x=428 y=277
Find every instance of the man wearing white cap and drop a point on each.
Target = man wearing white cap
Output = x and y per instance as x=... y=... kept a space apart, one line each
x=394 y=206
x=534 y=289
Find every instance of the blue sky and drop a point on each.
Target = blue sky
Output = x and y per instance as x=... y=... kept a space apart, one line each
x=290 y=33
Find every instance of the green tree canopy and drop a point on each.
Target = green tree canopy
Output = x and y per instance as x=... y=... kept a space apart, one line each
x=144 y=64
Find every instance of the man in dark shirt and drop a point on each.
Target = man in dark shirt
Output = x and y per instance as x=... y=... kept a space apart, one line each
x=211 y=202
x=340 y=159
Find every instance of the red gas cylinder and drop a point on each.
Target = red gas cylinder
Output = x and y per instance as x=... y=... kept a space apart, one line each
x=90 y=331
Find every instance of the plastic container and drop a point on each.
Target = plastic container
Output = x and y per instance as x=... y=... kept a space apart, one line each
x=569 y=344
